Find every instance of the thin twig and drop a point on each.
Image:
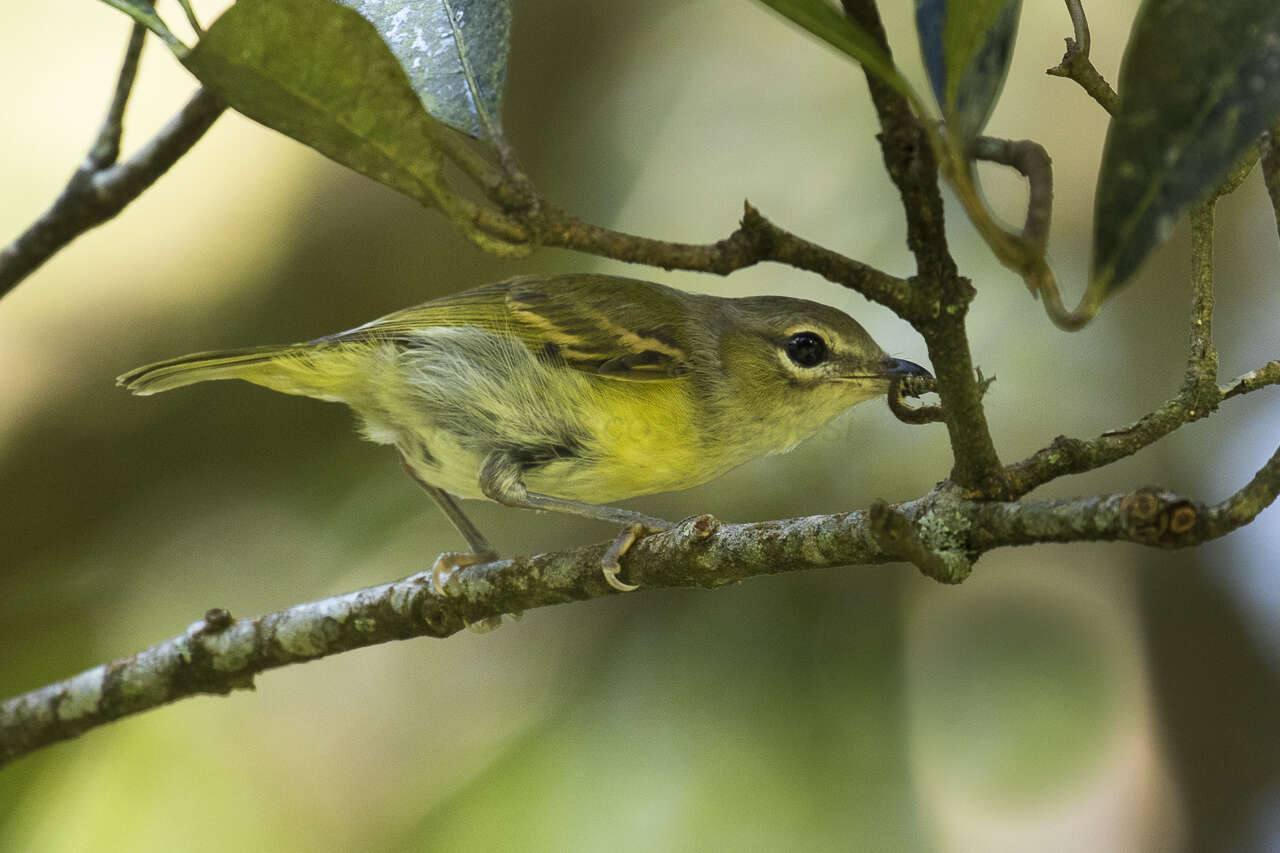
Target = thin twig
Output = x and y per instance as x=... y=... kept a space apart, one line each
x=1199 y=396
x=1147 y=516
x=1077 y=66
x=106 y=149
x=1244 y=506
x=756 y=240
x=1268 y=374
x=93 y=196
x=191 y=17
x=1201 y=379
x=1081 y=25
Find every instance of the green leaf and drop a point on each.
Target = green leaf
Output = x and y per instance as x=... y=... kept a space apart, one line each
x=967 y=45
x=1199 y=83
x=821 y=19
x=144 y=14
x=454 y=53
x=320 y=73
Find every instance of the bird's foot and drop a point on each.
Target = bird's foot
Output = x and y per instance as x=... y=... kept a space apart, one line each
x=611 y=562
x=447 y=562
x=444 y=567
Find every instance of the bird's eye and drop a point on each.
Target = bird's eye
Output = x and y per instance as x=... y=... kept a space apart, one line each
x=807 y=349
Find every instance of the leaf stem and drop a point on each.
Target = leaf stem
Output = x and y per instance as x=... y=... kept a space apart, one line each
x=191 y=17
x=147 y=17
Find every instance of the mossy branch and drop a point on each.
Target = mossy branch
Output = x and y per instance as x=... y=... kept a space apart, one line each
x=943 y=532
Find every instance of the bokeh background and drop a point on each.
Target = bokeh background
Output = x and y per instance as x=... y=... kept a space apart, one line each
x=1064 y=698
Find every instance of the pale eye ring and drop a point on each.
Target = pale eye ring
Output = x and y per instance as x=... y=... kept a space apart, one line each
x=807 y=349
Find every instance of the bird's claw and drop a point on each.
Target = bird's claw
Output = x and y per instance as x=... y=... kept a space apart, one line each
x=447 y=562
x=610 y=572
x=445 y=565
x=611 y=562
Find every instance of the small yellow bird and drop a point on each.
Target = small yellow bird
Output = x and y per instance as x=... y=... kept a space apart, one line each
x=571 y=392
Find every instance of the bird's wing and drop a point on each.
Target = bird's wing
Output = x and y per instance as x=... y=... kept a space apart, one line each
x=612 y=327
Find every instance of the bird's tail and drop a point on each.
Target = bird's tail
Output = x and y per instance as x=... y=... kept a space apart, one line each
x=322 y=370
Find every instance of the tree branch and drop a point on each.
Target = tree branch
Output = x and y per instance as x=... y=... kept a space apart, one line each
x=1148 y=516
x=1199 y=396
x=909 y=158
x=218 y=654
x=1268 y=374
x=100 y=188
x=894 y=532
x=943 y=532
x=756 y=240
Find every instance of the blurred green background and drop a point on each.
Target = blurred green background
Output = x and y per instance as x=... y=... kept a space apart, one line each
x=1064 y=698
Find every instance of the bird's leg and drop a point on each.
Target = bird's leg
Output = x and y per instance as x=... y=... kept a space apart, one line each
x=501 y=479
x=481 y=551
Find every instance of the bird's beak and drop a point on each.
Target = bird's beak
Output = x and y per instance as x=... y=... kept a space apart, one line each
x=902 y=367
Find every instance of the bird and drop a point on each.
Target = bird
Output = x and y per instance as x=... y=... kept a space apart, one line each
x=571 y=392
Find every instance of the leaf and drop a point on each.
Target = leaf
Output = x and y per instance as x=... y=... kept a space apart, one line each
x=821 y=19
x=967 y=45
x=320 y=73
x=454 y=53
x=144 y=14
x=1199 y=83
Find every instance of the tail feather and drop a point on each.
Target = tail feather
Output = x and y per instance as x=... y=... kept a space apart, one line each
x=288 y=368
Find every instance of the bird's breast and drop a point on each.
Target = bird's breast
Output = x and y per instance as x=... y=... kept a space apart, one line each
x=642 y=438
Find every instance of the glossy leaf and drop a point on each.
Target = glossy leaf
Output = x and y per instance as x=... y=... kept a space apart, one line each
x=967 y=45
x=1199 y=83
x=822 y=19
x=320 y=73
x=454 y=53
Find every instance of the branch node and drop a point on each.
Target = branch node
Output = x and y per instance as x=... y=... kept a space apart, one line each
x=1154 y=516
x=897 y=536
x=1077 y=66
x=1183 y=519
x=216 y=620
x=702 y=527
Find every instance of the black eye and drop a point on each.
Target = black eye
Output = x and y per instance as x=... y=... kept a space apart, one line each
x=807 y=349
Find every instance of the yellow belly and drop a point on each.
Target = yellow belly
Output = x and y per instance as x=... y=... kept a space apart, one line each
x=446 y=414
x=647 y=440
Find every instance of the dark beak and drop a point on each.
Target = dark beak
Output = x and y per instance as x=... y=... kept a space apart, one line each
x=902 y=367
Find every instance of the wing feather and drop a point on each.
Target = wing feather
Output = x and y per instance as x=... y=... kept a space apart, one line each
x=613 y=327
